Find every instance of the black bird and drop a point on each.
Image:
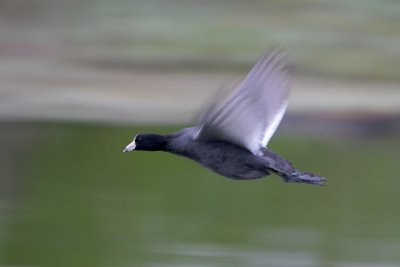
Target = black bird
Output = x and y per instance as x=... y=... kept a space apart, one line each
x=233 y=132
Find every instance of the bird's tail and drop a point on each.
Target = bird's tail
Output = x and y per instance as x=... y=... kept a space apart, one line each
x=286 y=170
x=303 y=177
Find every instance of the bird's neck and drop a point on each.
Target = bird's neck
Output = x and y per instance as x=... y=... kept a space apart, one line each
x=159 y=143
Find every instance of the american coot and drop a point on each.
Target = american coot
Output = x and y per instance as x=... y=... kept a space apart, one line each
x=233 y=132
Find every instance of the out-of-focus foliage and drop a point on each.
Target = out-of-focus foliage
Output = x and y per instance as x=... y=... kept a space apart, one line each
x=348 y=39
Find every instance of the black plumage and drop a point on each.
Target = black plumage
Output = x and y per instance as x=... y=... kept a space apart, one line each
x=233 y=132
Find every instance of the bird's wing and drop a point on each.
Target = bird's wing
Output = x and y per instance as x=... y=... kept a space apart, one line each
x=249 y=116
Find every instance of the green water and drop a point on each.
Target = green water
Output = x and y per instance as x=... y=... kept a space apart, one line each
x=74 y=199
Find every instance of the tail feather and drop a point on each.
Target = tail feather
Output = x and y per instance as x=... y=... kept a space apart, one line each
x=304 y=177
x=286 y=170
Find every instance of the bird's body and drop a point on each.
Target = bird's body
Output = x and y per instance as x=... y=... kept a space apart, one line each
x=222 y=157
x=233 y=132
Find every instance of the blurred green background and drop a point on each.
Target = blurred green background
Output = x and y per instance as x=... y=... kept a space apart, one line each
x=79 y=78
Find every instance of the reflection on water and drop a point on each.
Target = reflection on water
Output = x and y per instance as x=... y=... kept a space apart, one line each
x=74 y=199
x=208 y=255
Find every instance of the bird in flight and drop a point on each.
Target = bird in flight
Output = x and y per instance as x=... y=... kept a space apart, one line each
x=232 y=134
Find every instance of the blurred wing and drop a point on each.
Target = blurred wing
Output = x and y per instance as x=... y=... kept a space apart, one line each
x=249 y=116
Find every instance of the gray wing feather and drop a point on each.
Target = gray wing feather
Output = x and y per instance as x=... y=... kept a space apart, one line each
x=250 y=115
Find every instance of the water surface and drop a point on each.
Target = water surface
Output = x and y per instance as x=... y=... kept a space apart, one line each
x=70 y=197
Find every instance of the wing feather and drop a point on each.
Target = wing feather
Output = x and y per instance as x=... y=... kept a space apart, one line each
x=249 y=116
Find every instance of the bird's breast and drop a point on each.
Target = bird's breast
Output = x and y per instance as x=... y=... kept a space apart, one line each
x=229 y=160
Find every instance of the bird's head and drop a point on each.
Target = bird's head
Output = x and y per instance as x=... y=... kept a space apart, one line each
x=147 y=142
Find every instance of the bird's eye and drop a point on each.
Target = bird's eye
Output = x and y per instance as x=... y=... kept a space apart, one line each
x=138 y=139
